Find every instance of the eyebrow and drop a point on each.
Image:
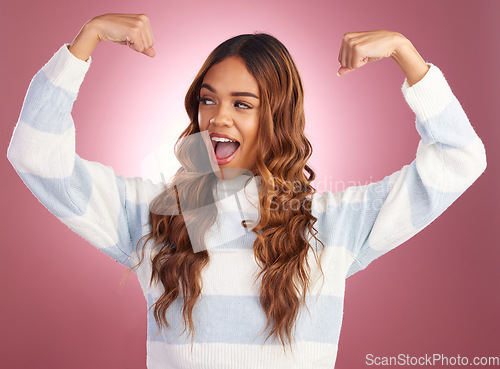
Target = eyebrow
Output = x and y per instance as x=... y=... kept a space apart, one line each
x=237 y=93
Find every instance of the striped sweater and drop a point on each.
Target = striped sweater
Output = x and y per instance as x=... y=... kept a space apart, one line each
x=356 y=225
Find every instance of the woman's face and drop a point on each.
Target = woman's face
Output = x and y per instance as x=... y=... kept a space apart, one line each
x=229 y=109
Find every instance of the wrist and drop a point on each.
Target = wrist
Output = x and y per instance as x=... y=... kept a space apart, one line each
x=402 y=47
x=85 y=42
x=409 y=60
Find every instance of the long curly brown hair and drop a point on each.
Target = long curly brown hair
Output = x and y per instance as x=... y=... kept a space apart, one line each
x=281 y=246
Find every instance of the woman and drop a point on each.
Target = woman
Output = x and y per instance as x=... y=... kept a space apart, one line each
x=226 y=249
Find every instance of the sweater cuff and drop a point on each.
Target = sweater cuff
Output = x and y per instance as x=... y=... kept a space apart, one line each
x=429 y=96
x=65 y=70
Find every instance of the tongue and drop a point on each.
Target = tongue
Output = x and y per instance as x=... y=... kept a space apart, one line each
x=225 y=149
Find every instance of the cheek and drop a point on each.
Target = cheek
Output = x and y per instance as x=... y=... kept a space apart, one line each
x=254 y=132
x=201 y=123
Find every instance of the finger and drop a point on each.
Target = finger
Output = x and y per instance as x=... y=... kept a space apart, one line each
x=343 y=71
x=145 y=30
x=144 y=42
x=150 y=52
x=343 y=54
x=149 y=35
x=349 y=56
x=340 y=53
x=148 y=45
x=136 y=46
x=136 y=42
x=347 y=49
x=356 y=57
x=148 y=39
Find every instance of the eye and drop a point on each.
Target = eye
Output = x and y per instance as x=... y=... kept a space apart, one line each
x=204 y=100
x=245 y=106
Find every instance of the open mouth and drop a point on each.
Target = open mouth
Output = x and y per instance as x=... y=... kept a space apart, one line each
x=224 y=147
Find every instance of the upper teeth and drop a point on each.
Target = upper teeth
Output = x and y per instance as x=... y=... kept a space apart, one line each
x=222 y=139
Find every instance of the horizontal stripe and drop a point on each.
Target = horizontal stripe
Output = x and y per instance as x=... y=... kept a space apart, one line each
x=354 y=195
x=338 y=225
x=141 y=191
x=451 y=170
x=389 y=213
x=451 y=127
x=233 y=272
x=426 y=202
x=227 y=232
x=101 y=240
x=57 y=194
x=45 y=104
x=41 y=152
x=241 y=320
x=305 y=355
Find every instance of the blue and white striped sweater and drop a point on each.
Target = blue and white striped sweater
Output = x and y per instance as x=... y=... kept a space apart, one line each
x=356 y=225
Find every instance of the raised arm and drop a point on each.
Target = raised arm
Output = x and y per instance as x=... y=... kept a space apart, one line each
x=87 y=196
x=360 y=48
x=450 y=156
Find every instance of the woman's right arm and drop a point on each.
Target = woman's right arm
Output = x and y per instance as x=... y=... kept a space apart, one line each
x=85 y=42
x=133 y=30
x=106 y=209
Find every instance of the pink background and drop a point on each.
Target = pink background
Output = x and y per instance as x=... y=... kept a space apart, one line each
x=437 y=293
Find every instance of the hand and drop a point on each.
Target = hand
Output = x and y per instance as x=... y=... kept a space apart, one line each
x=133 y=30
x=360 y=48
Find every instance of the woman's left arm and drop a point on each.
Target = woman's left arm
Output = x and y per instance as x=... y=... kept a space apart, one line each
x=450 y=155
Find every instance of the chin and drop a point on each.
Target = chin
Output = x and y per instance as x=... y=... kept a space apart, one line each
x=231 y=172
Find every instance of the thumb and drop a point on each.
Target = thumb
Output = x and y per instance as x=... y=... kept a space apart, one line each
x=343 y=70
x=150 y=52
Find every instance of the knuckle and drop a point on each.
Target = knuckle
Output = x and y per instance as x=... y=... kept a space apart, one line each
x=352 y=42
x=143 y=17
x=347 y=36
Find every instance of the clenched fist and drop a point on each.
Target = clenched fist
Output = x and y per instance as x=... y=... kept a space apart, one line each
x=360 y=48
x=133 y=30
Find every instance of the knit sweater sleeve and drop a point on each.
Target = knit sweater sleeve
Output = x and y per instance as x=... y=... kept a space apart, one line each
x=106 y=209
x=372 y=219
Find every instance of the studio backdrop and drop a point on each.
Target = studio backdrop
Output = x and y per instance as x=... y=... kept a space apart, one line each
x=436 y=294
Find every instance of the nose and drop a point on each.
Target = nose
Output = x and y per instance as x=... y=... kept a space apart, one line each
x=222 y=117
